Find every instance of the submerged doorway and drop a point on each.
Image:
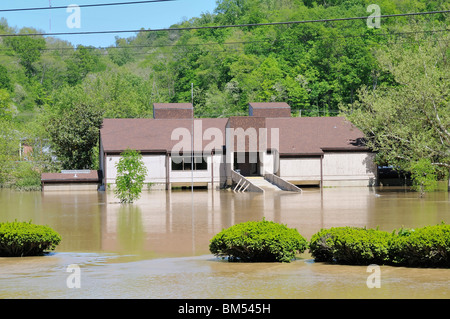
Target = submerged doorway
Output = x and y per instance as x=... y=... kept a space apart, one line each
x=246 y=163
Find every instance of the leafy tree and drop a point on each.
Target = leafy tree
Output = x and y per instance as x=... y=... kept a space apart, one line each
x=9 y=144
x=74 y=134
x=51 y=71
x=6 y=111
x=121 y=54
x=117 y=93
x=83 y=61
x=423 y=175
x=5 y=80
x=131 y=173
x=28 y=48
x=408 y=124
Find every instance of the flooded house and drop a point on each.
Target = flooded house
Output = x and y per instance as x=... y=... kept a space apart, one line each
x=247 y=153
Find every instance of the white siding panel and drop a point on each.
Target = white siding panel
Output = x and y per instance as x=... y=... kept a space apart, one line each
x=156 y=168
x=352 y=165
x=300 y=168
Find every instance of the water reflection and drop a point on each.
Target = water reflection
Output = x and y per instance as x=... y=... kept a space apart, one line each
x=181 y=223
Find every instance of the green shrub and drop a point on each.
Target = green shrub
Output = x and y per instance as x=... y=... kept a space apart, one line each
x=25 y=239
x=424 y=247
x=350 y=245
x=258 y=241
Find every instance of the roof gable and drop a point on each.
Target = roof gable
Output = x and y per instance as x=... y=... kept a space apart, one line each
x=269 y=109
x=173 y=110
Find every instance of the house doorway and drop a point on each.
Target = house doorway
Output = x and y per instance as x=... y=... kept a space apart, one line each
x=246 y=163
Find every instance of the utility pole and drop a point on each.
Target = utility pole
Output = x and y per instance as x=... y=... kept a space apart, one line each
x=192 y=139
x=50 y=19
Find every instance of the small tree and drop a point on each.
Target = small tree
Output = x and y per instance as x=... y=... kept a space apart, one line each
x=131 y=173
x=423 y=175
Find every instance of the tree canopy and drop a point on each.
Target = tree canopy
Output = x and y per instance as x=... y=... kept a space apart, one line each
x=409 y=122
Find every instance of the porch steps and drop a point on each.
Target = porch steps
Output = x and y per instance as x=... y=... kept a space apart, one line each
x=263 y=183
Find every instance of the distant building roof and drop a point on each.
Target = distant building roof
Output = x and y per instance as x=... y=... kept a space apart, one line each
x=269 y=109
x=173 y=110
x=172 y=105
x=81 y=176
x=269 y=105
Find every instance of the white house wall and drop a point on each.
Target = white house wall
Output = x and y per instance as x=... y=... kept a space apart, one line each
x=300 y=169
x=339 y=169
x=155 y=164
x=349 y=169
x=267 y=163
x=156 y=170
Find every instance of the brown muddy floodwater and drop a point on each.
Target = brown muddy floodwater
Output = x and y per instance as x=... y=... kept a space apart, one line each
x=158 y=247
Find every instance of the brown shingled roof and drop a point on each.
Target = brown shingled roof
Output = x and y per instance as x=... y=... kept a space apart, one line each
x=92 y=176
x=150 y=135
x=297 y=135
x=172 y=105
x=313 y=135
x=173 y=110
x=269 y=109
x=269 y=105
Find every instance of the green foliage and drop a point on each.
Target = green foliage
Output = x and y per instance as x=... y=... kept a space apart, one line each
x=74 y=135
x=83 y=61
x=9 y=142
x=6 y=111
x=19 y=239
x=121 y=54
x=131 y=173
x=350 y=245
x=5 y=80
x=28 y=48
x=258 y=241
x=423 y=175
x=423 y=247
x=407 y=123
x=26 y=177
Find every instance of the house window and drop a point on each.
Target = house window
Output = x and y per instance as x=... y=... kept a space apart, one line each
x=200 y=164
x=184 y=163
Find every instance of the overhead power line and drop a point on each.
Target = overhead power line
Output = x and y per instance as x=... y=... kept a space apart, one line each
x=267 y=40
x=85 y=5
x=283 y=44
x=227 y=26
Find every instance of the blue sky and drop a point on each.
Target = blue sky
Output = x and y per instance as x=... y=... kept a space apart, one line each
x=127 y=17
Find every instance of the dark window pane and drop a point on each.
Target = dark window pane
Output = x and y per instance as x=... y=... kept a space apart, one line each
x=200 y=163
x=177 y=163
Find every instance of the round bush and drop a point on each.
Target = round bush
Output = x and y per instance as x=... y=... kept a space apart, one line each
x=258 y=241
x=350 y=245
x=25 y=239
x=423 y=247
